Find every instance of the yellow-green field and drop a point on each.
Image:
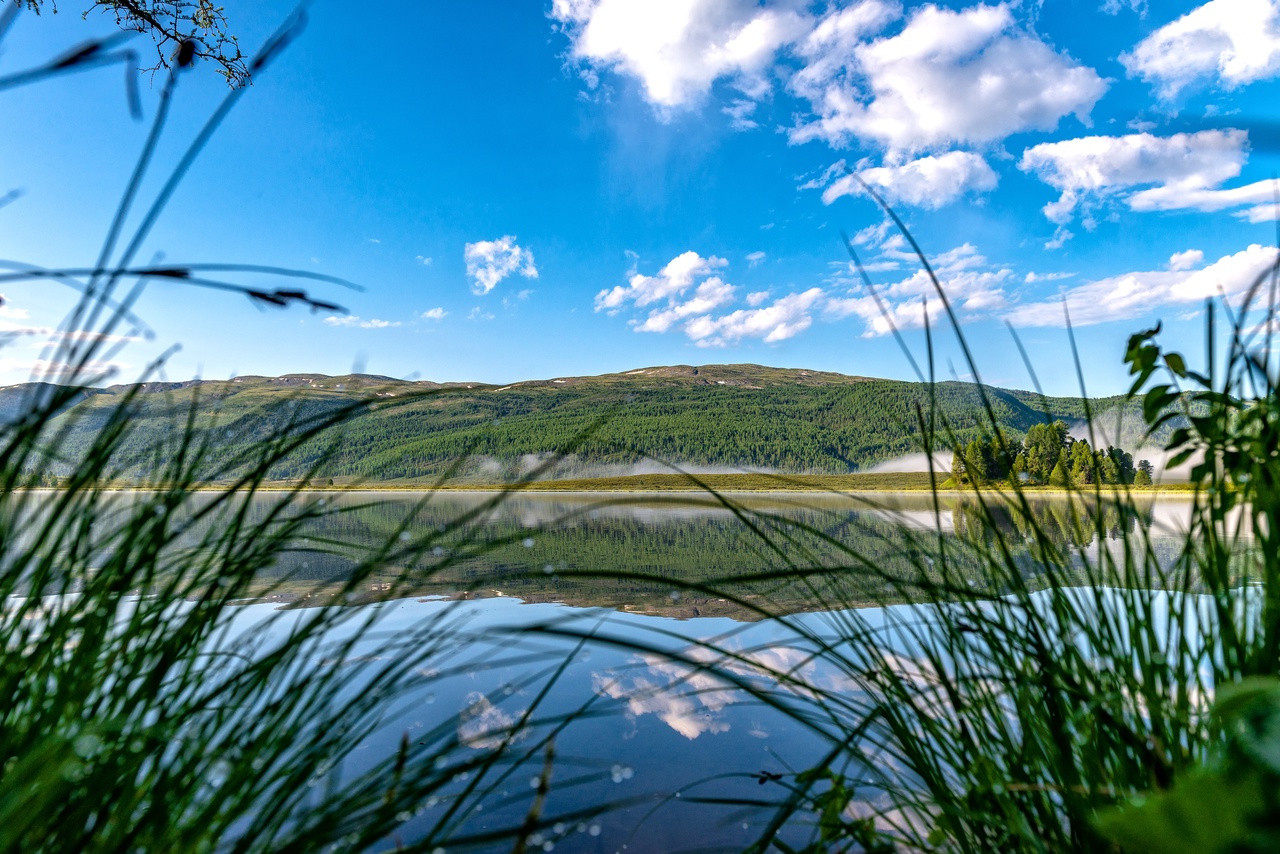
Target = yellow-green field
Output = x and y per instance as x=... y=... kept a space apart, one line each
x=886 y=482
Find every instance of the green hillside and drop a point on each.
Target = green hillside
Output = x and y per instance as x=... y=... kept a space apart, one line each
x=711 y=417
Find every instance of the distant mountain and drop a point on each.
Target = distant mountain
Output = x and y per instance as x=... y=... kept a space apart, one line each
x=708 y=418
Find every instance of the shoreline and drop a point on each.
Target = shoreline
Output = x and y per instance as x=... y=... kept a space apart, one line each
x=1166 y=490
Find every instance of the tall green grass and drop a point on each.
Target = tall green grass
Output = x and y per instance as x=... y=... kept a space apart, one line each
x=142 y=707
x=1039 y=692
x=1033 y=686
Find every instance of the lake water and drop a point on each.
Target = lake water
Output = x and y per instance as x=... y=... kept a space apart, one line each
x=518 y=585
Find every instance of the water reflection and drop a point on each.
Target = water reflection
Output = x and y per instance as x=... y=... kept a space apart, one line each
x=633 y=553
x=521 y=583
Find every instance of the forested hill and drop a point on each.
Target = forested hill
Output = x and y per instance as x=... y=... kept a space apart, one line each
x=711 y=417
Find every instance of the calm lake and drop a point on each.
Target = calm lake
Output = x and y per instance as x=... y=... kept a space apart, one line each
x=559 y=622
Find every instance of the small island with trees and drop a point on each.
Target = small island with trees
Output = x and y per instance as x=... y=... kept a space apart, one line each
x=1049 y=456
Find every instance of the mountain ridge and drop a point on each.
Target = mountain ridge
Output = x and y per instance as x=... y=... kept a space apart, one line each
x=706 y=417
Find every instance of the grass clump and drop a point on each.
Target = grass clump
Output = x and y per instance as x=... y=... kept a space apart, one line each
x=145 y=708
x=1038 y=684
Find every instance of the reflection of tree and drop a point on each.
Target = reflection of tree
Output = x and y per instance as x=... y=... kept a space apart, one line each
x=554 y=550
x=1076 y=522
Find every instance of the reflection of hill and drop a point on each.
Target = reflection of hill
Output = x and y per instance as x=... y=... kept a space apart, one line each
x=784 y=553
x=807 y=552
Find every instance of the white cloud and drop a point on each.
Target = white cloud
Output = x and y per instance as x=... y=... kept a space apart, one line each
x=786 y=317
x=1130 y=295
x=353 y=321
x=478 y=313
x=1113 y=7
x=1185 y=167
x=828 y=51
x=12 y=312
x=1260 y=213
x=873 y=234
x=740 y=112
x=1178 y=197
x=928 y=182
x=1061 y=235
x=437 y=313
x=904 y=315
x=710 y=295
x=484 y=726
x=672 y=305
x=1188 y=260
x=672 y=281
x=491 y=261
x=61 y=371
x=1234 y=41
x=687 y=699
x=424 y=260
x=948 y=77
x=755 y=259
x=973 y=286
x=1032 y=278
x=677 y=49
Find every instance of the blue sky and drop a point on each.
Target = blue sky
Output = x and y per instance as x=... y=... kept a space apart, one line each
x=541 y=189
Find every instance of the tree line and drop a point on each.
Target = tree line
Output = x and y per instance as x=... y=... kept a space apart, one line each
x=1048 y=456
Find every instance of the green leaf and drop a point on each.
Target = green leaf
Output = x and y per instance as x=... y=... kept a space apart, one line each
x=1201 y=814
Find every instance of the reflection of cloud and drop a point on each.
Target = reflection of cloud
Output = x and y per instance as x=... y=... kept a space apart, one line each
x=690 y=699
x=685 y=699
x=484 y=726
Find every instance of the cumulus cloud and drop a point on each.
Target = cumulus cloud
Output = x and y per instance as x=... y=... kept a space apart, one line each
x=1188 y=260
x=1032 y=278
x=46 y=369
x=828 y=51
x=1233 y=41
x=948 y=77
x=491 y=261
x=353 y=321
x=672 y=280
x=1262 y=194
x=677 y=49
x=739 y=113
x=1186 y=169
x=973 y=285
x=424 y=260
x=11 y=311
x=785 y=317
x=755 y=259
x=710 y=295
x=1129 y=295
x=437 y=313
x=675 y=302
x=971 y=76
x=668 y=292
x=927 y=182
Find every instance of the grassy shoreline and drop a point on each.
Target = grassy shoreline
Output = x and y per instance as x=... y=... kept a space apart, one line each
x=902 y=482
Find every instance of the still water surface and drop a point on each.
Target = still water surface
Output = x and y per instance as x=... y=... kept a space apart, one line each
x=518 y=585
